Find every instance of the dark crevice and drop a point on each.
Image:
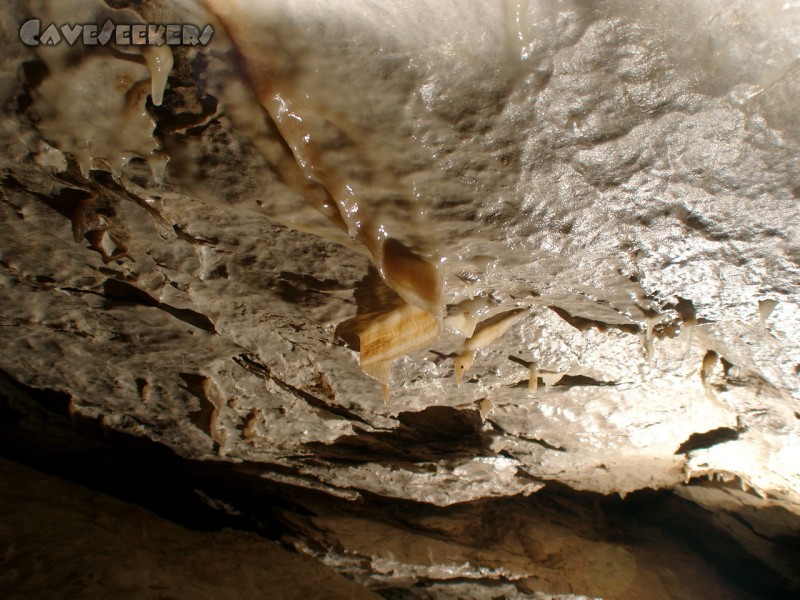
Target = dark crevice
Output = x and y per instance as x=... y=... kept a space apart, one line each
x=698 y=441
x=38 y=430
x=686 y=310
x=542 y=443
x=66 y=201
x=183 y=108
x=537 y=441
x=726 y=367
x=583 y=324
x=520 y=361
x=33 y=73
x=583 y=380
x=81 y=291
x=193 y=239
x=433 y=434
x=252 y=364
x=565 y=381
x=120 y=292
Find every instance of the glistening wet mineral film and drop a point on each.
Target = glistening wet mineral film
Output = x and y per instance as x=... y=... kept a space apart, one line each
x=433 y=299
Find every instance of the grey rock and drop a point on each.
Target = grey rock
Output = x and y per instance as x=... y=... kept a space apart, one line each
x=625 y=174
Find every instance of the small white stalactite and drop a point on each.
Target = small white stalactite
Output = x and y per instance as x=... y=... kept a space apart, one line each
x=706 y=370
x=462 y=364
x=484 y=408
x=485 y=333
x=765 y=308
x=533 y=380
x=550 y=378
x=158 y=166
x=159 y=60
x=647 y=336
x=466 y=318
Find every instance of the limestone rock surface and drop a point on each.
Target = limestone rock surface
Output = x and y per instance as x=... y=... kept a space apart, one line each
x=595 y=203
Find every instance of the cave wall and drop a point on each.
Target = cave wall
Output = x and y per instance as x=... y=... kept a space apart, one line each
x=435 y=252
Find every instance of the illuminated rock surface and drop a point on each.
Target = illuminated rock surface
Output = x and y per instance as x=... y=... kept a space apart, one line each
x=590 y=213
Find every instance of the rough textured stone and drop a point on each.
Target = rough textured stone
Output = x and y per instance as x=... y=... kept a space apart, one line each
x=625 y=175
x=61 y=539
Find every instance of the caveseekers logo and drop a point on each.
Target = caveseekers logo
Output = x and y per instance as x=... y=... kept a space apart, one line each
x=91 y=34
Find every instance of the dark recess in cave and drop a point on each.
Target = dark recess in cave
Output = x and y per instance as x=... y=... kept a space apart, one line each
x=698 y=441
x=37 y=430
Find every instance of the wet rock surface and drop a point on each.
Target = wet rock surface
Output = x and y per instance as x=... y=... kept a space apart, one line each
x=563 y=237
x=555 y=544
